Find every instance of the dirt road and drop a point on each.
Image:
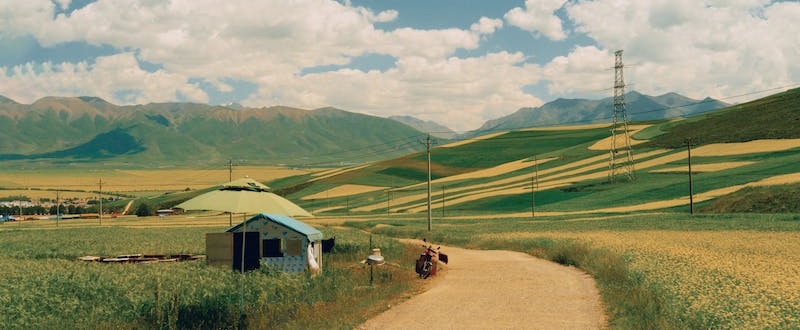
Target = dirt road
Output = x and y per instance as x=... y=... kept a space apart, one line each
x=499 y=290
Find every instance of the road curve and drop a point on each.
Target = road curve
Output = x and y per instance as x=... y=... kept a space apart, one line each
x=495 y=289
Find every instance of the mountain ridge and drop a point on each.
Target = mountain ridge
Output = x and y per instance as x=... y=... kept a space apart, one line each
x=180 y=132
x=639 y=107
x=88 y=128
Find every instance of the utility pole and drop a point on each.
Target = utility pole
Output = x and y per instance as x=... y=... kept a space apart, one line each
x=58 y=208
x=534 y=185
x=427 y=143
x=617 y=166
x=442 y=202
x=689 y=142
x=230 y=170
x=100 y=212
x=230 y=178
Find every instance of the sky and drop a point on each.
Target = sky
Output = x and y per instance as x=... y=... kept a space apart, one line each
x=458 y=63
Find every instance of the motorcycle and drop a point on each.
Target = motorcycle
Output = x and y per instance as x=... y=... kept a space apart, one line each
x=428 y=259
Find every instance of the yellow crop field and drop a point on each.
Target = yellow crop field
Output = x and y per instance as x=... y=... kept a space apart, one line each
x=619 y=140
x=137 y=180
x=746 y=279
x=703 y=167
x=343 y=190
x=47 y=194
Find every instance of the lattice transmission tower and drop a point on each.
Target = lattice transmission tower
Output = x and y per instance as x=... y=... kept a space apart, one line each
x=621 y=162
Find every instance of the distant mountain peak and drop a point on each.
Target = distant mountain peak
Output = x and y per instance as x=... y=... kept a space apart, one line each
x=234 y=106
x=93 y=99
x=5 y=100
x=577 y=111
x=426 y=126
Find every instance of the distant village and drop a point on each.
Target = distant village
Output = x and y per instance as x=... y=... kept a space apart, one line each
x=23 y=208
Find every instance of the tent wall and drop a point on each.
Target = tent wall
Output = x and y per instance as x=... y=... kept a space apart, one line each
x=292 y=256
x=219 y=249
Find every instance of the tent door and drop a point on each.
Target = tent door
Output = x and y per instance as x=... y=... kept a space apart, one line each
x=252 y=259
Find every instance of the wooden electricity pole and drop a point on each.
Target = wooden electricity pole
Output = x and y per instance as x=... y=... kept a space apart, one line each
x=689 y=142
x=58 y=208
x=230 y=178
x=428 y=148
x=100 y=192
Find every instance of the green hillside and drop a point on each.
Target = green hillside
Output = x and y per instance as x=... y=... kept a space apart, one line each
x=773 y=117
x=572 y=177
x=89 y=129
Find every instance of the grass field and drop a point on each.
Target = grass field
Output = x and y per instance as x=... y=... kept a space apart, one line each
x=46 y=287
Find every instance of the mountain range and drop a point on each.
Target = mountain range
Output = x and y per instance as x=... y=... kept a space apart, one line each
x=638 y=106
x=90 y=129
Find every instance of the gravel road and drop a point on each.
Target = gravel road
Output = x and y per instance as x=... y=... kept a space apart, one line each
x=499 y=290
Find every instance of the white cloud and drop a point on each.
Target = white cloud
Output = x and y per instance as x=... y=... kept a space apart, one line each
x=584 y=72
x=107 y=76
x=717 y=49
x=487 y=25
x=460 y=93
x=269 y=43
x=538 y=17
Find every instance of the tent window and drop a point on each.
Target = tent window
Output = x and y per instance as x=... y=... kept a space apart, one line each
x=294 y=247
x=271 y=248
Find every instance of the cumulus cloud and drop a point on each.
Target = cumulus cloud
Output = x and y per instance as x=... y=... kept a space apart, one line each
x=105 y=78
x=460 y=93
x=270 y=43
x=486 y=25
x=539 y=17
x=584 y=71
x=712 y=48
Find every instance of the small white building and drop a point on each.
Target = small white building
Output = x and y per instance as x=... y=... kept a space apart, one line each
x=272 y=240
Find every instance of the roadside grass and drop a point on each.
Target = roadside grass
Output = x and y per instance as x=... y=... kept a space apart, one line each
x=662 y=271
x=45 y=286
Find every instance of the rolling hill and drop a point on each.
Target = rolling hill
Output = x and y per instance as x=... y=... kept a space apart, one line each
x=493 y=175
